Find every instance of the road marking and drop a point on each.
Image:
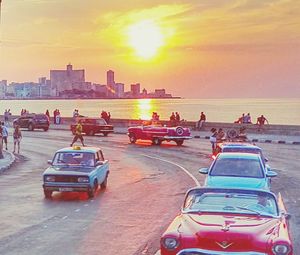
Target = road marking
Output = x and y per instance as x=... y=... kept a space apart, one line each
x=65 y=217
x=175 y=164
x=77 y=210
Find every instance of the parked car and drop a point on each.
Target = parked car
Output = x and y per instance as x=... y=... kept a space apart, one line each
x=76 y=169
x=242 y=170
x=158 y=134
x=33 y=121
x=92 y=126
x=217 y=221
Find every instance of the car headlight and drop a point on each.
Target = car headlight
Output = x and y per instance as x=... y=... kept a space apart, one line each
x=83 y=179
x=281 y=249
x=50 y=179
x=170 y=243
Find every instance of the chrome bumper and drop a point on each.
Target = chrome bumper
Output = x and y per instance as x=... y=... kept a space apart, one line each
x=207 y=252
x=177 y=137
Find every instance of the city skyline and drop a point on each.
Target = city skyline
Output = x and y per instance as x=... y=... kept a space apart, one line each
x=207 y=49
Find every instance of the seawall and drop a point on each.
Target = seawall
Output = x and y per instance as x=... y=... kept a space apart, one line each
x=293 y=130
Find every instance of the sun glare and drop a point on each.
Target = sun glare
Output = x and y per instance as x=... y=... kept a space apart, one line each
x=145 y=38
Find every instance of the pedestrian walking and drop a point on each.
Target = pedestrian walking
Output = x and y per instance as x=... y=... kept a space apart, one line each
x=17 y=135
x=57 y=117
x=78 y=134
x=213 y=139
x=4 y=134
x=48 y=114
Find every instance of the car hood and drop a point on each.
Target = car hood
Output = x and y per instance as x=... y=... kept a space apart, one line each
x=236 y=182
x=228 y=232
x=53 y=170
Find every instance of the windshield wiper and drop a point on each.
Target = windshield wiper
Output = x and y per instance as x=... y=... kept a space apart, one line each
x=247 y=209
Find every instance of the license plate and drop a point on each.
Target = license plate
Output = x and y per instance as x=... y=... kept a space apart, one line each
x=65 y=189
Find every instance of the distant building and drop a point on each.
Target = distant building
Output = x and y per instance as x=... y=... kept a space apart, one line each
x=119 y=90
x=66 y=80
x=110 y=82
x=3 y=88
x=25 y=89
x=144 y=93
x=135 y=90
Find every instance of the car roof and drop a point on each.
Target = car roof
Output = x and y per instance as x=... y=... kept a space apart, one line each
x=79 y=149
x=238 y=155
x=240 y=145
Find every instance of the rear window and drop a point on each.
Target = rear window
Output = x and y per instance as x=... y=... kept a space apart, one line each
x=239 y=149
x=238 y=167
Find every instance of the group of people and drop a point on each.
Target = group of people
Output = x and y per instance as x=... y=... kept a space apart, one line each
x=17 y=136
x=57 y=117
x=106 y=116
x=244 y=119
x=175 y=119
x=24 y=111
x=216 y=136
x=7 y=114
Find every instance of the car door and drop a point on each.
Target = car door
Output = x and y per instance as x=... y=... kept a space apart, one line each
x=102 y=166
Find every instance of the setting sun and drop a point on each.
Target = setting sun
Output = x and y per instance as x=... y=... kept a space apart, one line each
x=145 y=38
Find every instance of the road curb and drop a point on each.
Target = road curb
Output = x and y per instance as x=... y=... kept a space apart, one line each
x=9 y=163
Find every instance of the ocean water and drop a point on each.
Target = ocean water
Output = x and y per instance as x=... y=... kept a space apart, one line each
x=277 y=111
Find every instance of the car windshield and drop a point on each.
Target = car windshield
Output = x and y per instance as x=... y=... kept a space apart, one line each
x=239 y=167
x=101 y=122
x=231 y=202
x=41 y=117
x=74 y=159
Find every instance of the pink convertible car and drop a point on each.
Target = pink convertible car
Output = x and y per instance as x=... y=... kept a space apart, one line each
x=158 y=134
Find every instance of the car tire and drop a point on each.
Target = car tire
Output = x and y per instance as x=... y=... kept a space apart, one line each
x=232 y=133
x=30 y=127
x=179 y=131
x=103 y=185
x=48 y=194
x=46 y=129
x=105 y=133
x=179 y=142
x=156 y=141
x=92 y=191
x=132 y=138
x=91 y=132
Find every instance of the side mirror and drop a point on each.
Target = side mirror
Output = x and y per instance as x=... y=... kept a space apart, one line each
x=49 y=162
x=99 y=163
x=271 y=174
x=287 y=216
x=203 y=171
x=266 y=159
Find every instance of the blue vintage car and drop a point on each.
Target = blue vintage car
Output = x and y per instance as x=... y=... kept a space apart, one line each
x=76 y=169
x=238 y=170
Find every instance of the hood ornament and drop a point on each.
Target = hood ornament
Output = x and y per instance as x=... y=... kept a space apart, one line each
x=224 y=245
x=225 y=227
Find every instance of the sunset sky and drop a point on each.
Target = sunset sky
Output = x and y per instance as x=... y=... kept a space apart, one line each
x=194 y=49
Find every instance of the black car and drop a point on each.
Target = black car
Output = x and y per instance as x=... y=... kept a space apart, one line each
x=92 y=126
x=33 y=121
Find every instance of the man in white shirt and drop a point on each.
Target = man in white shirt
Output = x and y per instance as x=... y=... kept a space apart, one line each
x=4 y=134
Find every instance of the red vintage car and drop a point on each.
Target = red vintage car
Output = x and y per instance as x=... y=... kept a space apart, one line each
x=217 y=221
x=158 y=134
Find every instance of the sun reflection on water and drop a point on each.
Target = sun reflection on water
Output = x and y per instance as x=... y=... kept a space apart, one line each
x=143 y=109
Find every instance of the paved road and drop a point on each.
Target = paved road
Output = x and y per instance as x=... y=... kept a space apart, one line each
x=145 y=191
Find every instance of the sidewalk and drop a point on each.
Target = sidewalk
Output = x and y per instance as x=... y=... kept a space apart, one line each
x=264 y=138
x=7 y=161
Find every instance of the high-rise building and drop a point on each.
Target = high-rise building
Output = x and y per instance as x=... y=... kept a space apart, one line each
x=110 y=82
x=119 y=89
x=66 y=80
x=3 y=88
x=135 y=90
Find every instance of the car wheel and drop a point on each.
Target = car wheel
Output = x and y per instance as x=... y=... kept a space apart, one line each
x=132 y=138
x=46 y=129
x=179 y=142
x=30 y=127
x=104 y=183
x=92 y=191
x=48 y=194
x=179 y=130
x=232 y=133
x=91 y=132
x=105 y=133
x=156 y=141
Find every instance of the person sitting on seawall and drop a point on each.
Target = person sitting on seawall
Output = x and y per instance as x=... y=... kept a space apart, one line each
x=261 y=122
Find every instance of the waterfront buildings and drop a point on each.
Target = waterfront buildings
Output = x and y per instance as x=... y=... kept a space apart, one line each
x=70 y=83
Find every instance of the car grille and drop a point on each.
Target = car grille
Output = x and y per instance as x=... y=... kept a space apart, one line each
x=63 y=178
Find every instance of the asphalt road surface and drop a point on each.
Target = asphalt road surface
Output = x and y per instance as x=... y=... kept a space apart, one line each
x=146 y=187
